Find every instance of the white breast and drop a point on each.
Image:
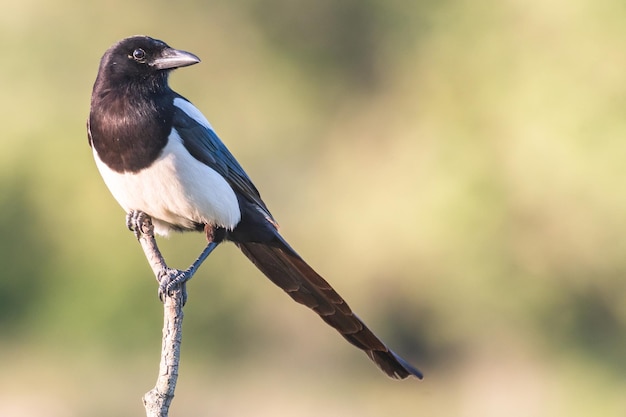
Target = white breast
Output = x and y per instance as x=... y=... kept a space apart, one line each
x=176 y=189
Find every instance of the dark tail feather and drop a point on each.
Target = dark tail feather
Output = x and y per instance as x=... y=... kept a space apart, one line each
x=285 y=268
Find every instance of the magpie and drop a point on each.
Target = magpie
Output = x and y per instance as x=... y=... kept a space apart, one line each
x=160 y=156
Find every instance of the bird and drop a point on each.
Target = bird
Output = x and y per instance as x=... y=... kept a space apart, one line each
x=159 y=156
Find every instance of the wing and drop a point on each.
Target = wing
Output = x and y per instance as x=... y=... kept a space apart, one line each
x=203 y=144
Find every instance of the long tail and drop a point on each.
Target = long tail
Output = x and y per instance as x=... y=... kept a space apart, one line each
x=285 y=268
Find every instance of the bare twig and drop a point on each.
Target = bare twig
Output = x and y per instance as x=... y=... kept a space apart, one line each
x=145 y=234
x=157 y=401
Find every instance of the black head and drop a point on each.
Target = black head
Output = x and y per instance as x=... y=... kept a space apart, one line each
x=140 y=60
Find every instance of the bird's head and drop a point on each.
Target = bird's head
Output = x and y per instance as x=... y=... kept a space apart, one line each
x=141 y=59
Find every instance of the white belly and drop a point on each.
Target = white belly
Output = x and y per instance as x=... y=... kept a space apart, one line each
x=175 y=190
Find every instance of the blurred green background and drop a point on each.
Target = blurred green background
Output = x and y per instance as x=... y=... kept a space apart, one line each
x=454 y=168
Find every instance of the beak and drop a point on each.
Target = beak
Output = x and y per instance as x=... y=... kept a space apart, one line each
x=173 y=58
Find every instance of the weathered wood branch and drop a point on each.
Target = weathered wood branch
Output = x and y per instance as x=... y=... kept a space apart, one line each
x=157 y=401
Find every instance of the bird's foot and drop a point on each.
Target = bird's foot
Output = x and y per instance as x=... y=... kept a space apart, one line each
x=171 y=279
x=139 y=223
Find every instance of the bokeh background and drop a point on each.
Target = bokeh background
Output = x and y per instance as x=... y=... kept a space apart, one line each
x=455 y=168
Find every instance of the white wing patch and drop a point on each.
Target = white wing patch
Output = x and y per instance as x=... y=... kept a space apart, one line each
x=176 y=189
x=193 y=112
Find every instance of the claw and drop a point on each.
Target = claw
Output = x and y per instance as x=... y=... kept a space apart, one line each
x=130 y=220
x=170 y=279
x=139 y=223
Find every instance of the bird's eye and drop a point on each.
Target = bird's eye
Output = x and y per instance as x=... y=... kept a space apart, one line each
x=139 y=54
